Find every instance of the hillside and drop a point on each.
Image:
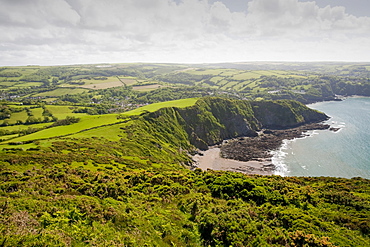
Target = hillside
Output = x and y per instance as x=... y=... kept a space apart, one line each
x=126 y=183
x=205 y=121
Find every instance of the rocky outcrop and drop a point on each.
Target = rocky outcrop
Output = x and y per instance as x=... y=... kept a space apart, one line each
x=259 y=147
x=212 y=120
x=282 y=114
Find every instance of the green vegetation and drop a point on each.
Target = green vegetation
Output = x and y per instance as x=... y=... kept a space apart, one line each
x=156 y=106
x=104 y=167
x=118 y=204
x=121 y=87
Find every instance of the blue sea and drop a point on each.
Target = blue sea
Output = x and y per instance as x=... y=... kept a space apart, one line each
x=345 y=153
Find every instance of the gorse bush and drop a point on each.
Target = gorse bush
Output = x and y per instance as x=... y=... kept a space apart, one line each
x=66 y=207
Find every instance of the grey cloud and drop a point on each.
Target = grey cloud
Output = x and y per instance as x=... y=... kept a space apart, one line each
x=37 y=14
x=157 y=28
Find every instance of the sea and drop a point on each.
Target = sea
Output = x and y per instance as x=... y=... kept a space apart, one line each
x=344 y=153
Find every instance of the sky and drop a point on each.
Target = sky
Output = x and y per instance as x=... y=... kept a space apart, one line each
x=60 y=32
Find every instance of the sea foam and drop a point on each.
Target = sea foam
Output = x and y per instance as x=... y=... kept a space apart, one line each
x=278 y=156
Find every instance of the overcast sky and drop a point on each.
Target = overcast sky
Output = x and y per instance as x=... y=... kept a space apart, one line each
x=52 y=32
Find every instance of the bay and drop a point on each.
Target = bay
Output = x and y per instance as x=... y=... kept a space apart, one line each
x=345 y=153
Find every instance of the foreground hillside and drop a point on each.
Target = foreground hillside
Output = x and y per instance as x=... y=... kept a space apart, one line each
x=62 y=206
x=126 y=183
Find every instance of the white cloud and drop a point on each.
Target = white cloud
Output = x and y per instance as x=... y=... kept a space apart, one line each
x=85 y=31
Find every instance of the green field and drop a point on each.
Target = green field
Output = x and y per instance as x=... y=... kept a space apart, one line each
x=26 y=84
x=246 y=76
x=156 y=106
x=86 y=121
x=146 y=88
x=37 y=112
x=232 y=79
x=23 y=126
x=62 y=111
x=18 y=116
x=110 y=132
x=213 y=72
x=7 y=83
x=61 y=91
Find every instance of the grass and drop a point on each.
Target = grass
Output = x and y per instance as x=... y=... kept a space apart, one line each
x=7 y=83
x=246 y=76
x=231 y=84
x=26 y=84
x=229 y=72
x=86 y=122
x=110 y=132
x=213 y=72
x=277 y=73
x=48 y=100
x=24 y=127
x=37 y=112
x=18 y=116
x=216 y=79
x=104 y=85
x=61 y=91
x=8 y=137
x=129 y=80
x=147 y=87
x=181 y=103
x=62 y=111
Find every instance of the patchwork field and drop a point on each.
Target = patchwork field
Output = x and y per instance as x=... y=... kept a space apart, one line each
x=86 y=122
x=103 y=85
x=231 y=79
x=156 y=106
x=61 y=91
x=147 y=87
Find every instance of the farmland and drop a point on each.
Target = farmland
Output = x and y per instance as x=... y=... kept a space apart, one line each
x=35 y=97
x=91 y=82
x=42 y=131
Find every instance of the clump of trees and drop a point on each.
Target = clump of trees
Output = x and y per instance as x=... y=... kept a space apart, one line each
x=67 y=121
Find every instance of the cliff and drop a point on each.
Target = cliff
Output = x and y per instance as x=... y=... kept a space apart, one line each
x=282 y=114
x=212 y=120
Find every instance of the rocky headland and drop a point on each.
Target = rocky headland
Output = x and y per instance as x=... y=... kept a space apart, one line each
x=252 y=128
x=260 y=146
x=251 y=154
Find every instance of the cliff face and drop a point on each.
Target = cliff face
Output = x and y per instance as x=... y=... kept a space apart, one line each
x=281 y=114
x=212 y=120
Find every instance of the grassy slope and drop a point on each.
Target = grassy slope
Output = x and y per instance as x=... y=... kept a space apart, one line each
x=88 y=122
x=153 y=107
x=61 y=91
x=62 y=111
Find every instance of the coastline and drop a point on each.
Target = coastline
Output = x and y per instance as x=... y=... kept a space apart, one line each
x=252 y=155
x=211 y=159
